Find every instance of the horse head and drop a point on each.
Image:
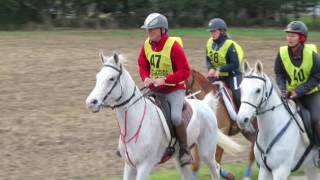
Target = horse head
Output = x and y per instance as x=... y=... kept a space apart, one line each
x=255 y=92
x=112 y=82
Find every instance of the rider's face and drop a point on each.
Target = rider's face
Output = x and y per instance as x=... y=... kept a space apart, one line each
x=154 y=34
x=292 y=39
x=215 y=34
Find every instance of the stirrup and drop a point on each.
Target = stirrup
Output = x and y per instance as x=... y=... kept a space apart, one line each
x=185 y=159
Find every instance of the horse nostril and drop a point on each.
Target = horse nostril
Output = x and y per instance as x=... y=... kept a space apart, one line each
x=246 y=120
x=94 y=101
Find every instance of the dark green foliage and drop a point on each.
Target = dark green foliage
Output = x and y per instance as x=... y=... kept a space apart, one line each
x=131 y=13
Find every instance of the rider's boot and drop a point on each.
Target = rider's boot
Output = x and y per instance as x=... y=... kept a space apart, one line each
x=184 y=154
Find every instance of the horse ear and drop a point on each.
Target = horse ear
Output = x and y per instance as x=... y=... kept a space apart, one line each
x=101 y=57
x=116 y=57
x=259 y=67
x=246 y=66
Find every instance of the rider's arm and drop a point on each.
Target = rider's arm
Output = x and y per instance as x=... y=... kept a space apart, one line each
x=314 y=77
x=144 y=66
x=232 y=60
x=180 y=65
x=280 y=73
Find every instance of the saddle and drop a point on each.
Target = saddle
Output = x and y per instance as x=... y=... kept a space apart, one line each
x=306 y=119
x=168 y=126
x=165 y=108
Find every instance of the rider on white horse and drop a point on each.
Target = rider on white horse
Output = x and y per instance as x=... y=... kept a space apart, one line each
x=223 y=57
x=297 y=69
x=163 y=63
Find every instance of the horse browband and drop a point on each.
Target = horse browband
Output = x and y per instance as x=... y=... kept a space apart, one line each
x=255 y=77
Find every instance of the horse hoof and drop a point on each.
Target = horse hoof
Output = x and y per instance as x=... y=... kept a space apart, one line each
x=230 y=177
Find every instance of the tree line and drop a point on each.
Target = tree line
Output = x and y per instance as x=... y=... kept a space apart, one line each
x=16 y=14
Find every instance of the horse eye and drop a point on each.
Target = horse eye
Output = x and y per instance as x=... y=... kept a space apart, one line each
x=258 y=91
x=111 y=79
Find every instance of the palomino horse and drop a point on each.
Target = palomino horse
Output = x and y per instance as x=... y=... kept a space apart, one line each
x=197 y=82
x=281 y=146
x=143 y=139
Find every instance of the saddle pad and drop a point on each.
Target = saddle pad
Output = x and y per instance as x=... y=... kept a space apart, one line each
x=186 y=114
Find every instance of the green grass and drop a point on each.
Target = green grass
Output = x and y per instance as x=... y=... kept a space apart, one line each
x=189 y=32
x=204 y=174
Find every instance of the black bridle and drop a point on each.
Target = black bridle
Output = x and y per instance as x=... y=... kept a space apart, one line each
x=264 y=153
x=114 y=85
x=265 y=98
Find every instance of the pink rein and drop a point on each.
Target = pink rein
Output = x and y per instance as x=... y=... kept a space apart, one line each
x=135 y=135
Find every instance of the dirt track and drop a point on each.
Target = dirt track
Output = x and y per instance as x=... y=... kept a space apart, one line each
x=46 y=132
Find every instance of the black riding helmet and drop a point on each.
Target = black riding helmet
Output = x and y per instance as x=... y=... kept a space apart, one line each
x=297 y=27
x=217 y=24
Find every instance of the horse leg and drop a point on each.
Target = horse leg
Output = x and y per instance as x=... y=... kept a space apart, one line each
x=207 y=146
x=184 y=171
x=251 y=158
x=129 y=173
x=144 y=171
x=281 y=173
x=196 y=161
x=311 y=173
x=264 y=174
x=223 y=173
x=248 y=173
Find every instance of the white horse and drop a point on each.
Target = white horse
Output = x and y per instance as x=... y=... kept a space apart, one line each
x=143 y=139
x=280 y=146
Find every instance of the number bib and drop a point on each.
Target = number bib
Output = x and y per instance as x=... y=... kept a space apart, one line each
x=218 y=57
x=160 y=62
x=298 y=75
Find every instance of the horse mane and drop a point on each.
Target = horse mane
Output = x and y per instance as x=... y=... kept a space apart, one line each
x=201 y=77
x=202 y=80
x=123 y=59
x=275 y=86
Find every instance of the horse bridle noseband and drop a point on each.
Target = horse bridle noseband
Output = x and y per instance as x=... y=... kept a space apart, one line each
x=265 y=98
x=114 y=85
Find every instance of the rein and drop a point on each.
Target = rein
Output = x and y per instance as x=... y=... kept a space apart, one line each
x=135 y=136
x=123 y=134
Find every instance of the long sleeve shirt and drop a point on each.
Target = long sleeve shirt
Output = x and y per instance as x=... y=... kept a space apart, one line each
x=180 y=65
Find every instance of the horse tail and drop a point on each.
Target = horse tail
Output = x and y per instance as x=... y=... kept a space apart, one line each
x=229 y=145
x=212 y=100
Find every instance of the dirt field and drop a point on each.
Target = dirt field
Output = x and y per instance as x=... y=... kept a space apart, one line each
x=46 y=132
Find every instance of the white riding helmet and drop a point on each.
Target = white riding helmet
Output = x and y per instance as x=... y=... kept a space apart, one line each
x=155 y=20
